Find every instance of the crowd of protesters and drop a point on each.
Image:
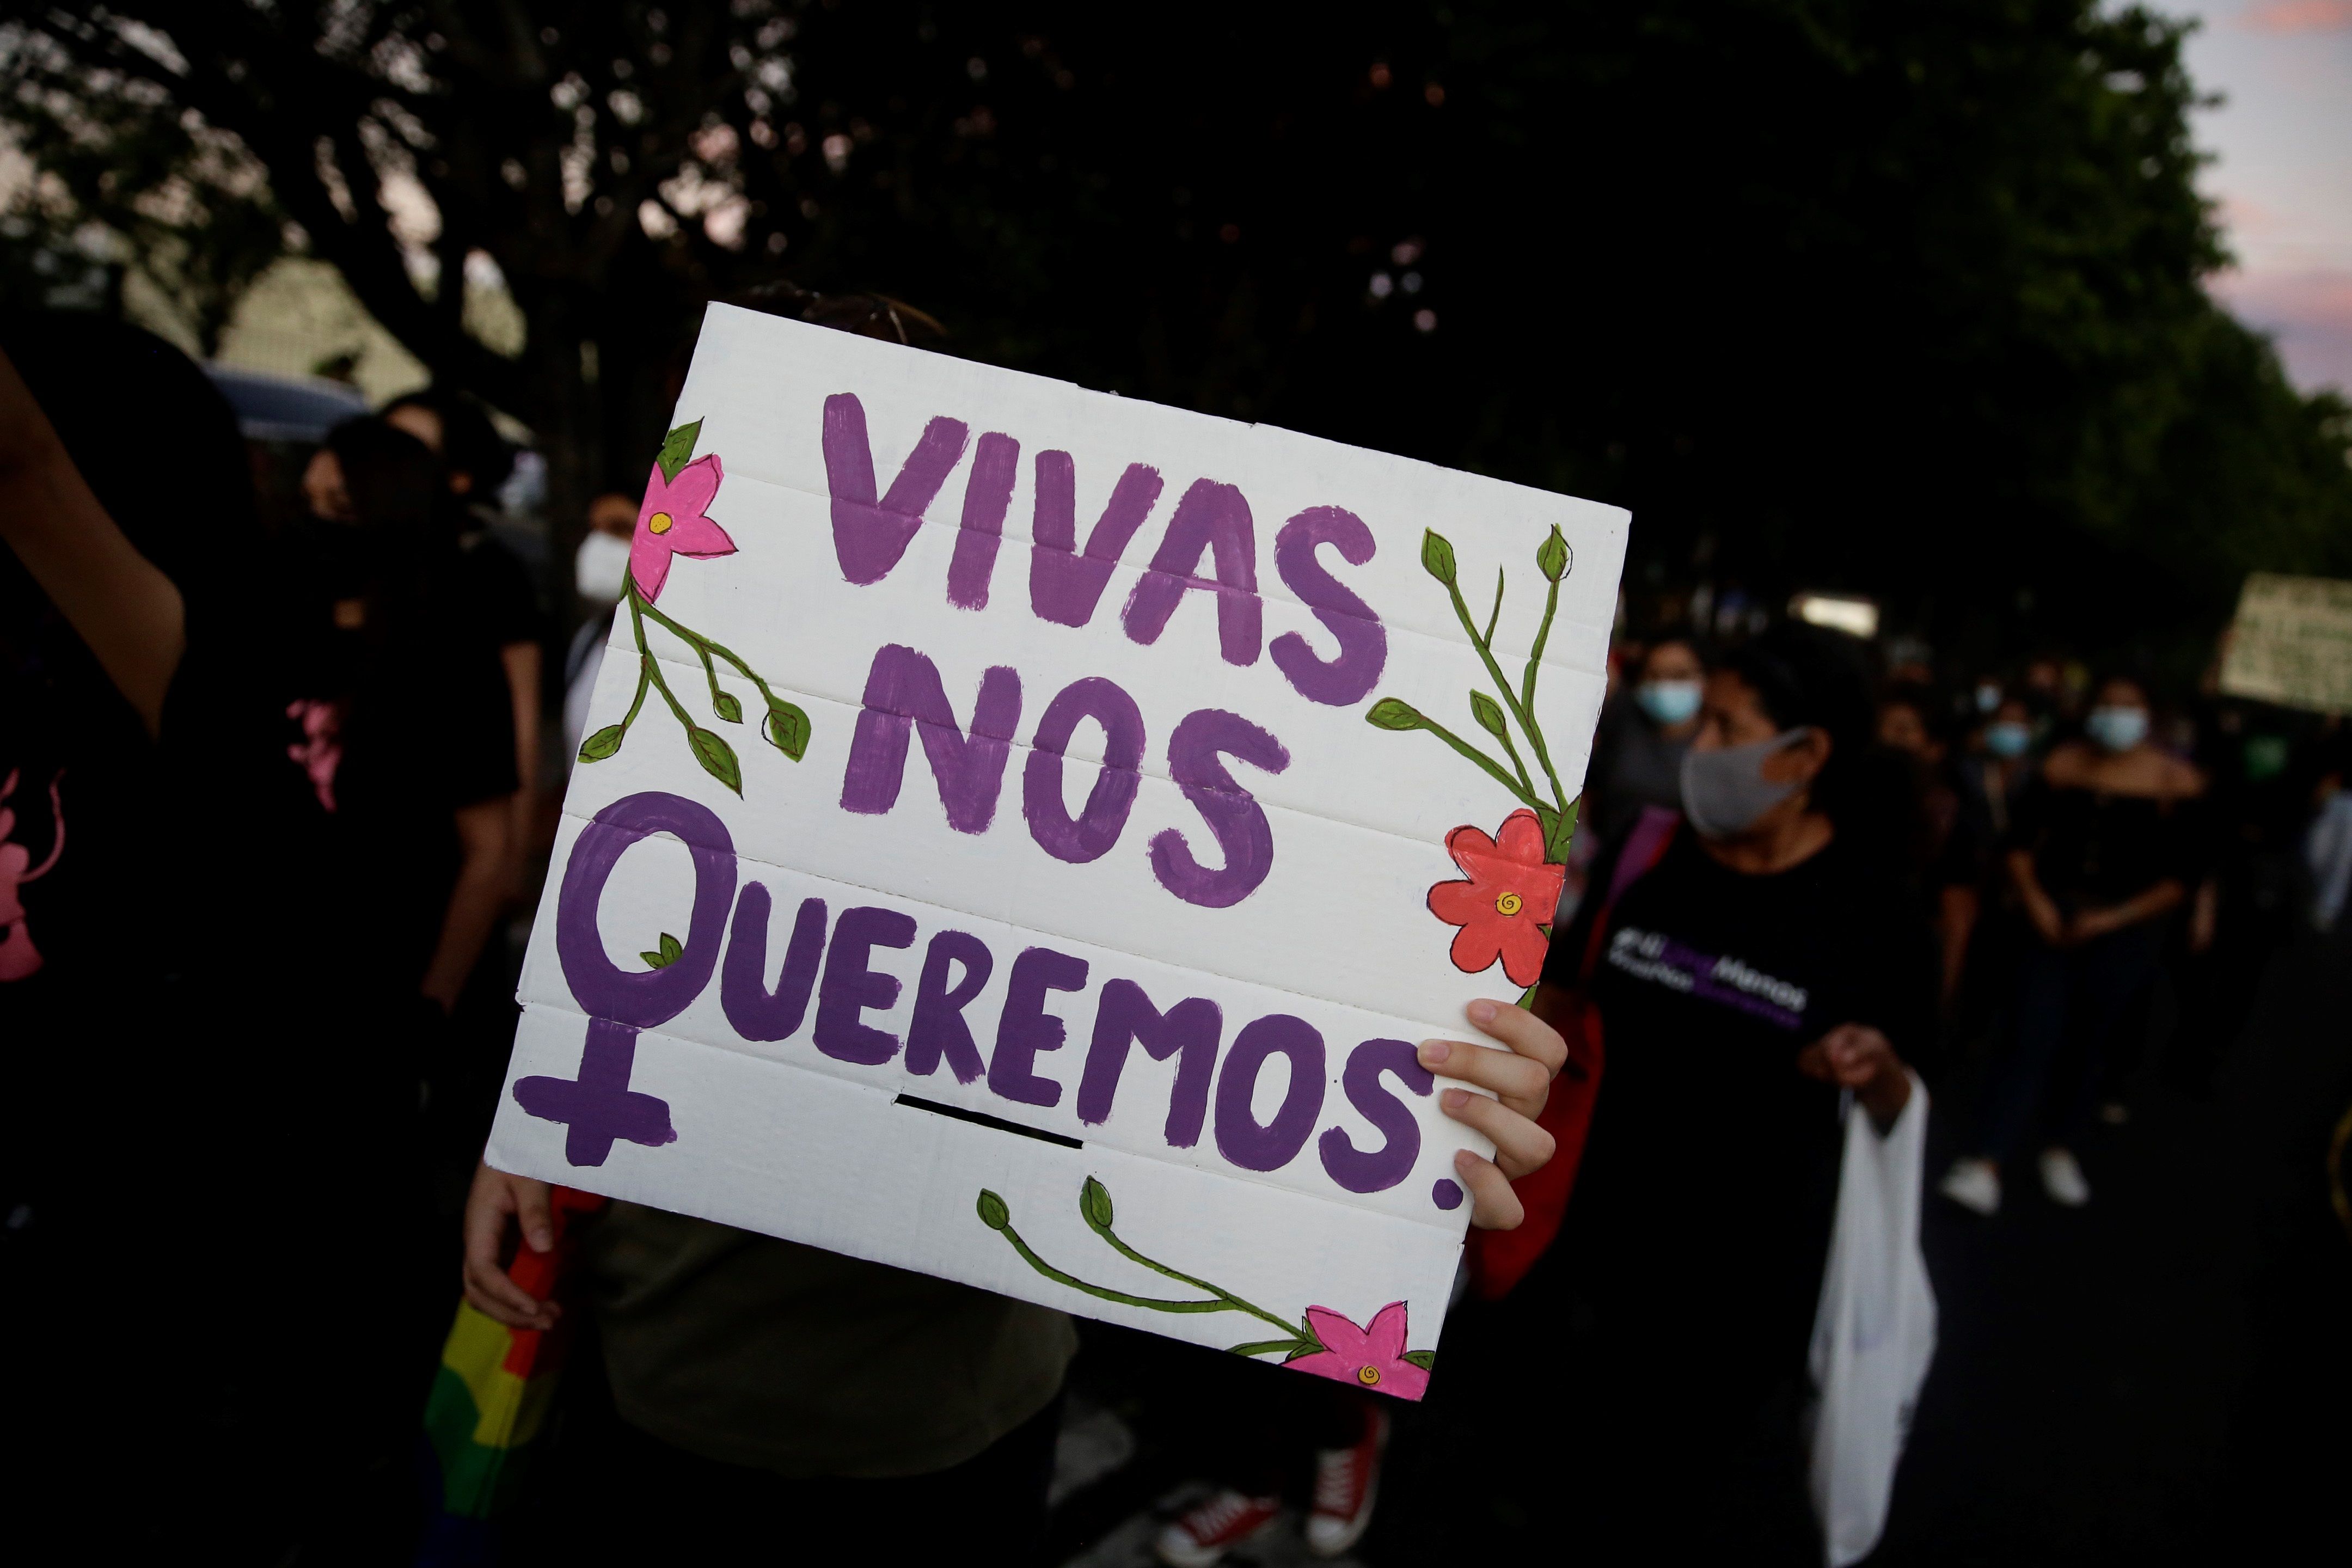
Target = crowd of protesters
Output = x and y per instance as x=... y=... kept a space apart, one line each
x=269 y=805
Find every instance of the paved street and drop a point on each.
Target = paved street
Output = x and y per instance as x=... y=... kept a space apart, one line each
x=2160 y=1377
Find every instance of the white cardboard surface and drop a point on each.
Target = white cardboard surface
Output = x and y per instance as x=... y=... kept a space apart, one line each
x=1310 y=1191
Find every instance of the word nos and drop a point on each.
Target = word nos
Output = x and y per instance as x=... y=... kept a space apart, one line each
x=1212 y=520
x=828 y=957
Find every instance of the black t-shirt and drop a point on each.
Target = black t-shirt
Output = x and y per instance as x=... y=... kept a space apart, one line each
x=498 y=596
x=1702 y=1212
x=402 y=717
x=2092 y=849
x=157 y=962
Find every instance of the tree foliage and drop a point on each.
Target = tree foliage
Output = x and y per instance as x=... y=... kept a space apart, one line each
x=1903 y=297
x=127 y=182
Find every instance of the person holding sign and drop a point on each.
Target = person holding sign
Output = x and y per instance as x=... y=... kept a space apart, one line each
x=944 y=1051
x=1747 y=964
x=762 y=1379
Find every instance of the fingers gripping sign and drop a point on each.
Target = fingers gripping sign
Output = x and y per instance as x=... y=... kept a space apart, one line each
x=1516 y=1078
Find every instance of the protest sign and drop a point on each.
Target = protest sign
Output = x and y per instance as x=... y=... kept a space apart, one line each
x=2292 y=643
x=1022 y=832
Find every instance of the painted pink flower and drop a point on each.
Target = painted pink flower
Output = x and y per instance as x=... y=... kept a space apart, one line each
x=1369 y=1358
x=1510 y=896
x=673 y=521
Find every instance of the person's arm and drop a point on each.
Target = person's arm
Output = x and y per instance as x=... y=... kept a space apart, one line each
x=521 y=661
x=474 y=902
x=124 y=609
x=2040 y=909
x=2158 y=902
x=2204 y=915
x=1955 y=918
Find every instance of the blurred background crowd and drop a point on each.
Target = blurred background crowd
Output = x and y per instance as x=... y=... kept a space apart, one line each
x=1901 y=324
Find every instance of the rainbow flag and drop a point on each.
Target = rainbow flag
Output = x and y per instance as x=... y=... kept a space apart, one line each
x=488 y=1401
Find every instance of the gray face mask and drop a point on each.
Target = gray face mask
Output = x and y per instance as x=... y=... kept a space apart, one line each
x=1724 y=792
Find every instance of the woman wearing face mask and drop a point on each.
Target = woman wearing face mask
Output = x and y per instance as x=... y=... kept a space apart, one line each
x=1747 y=966
x=1640 y=756
x=2099 y=853
x=1988 y=777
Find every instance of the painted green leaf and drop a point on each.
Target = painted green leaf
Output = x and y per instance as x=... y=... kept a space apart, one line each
x=728 y=708
x=1425 y=1360
x=1437 y=556
x=788 y=728
x=1094 y=1201
x=992 y=1212
x=1389 y=713
x=1553 y=557
x=716 y=757
x=678 y=448
x=1290 y=1348
x=602 y=743
x=1307 y=1347
x=666 y=954
x=1560 y=831
x=1488 y=712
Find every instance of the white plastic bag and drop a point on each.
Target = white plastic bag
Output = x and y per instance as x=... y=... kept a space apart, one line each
x=2327 y=850
x=1874 y=1331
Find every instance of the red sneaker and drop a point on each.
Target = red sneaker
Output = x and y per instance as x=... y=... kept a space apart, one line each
x=1346 y=1482
x=1211 y=1529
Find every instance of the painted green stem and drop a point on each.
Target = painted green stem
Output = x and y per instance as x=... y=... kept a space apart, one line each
x=1228 y=1296
x=1073 y=1282
x=1482 y=760
x=1519 y=709
x=1267 y=1347
x=1526 y=783
x=705 y=647
x=1534 y=654
x=652 y=666
x=644 y=678
x=1527 y=690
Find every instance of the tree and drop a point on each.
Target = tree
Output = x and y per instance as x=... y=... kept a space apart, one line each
x=127 y=184
x=1831 y=293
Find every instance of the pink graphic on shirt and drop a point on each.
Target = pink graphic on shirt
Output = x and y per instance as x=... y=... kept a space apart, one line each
x=320 y=751
x=18 y=957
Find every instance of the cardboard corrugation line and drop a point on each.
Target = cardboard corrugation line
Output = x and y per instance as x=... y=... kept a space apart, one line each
x=887 y=370
x=761 y=383
x=1423 y=1029
x=1454 y=1220
x=1510 y=645
x=936 y=1158
x=1571 y=765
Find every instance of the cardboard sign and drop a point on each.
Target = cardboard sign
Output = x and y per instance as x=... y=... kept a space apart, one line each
x=1024 y=832
x=2292 y=643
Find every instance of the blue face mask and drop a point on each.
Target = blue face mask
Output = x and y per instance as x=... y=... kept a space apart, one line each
x=1668 y=702
x=2117 y=729
x=2007 y=738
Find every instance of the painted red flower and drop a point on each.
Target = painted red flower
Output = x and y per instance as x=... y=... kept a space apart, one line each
x=1510 y=895
x=1368 y=1358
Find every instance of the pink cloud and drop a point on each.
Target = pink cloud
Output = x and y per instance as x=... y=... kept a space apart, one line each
x=2308 y=313
x=2297 y=17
